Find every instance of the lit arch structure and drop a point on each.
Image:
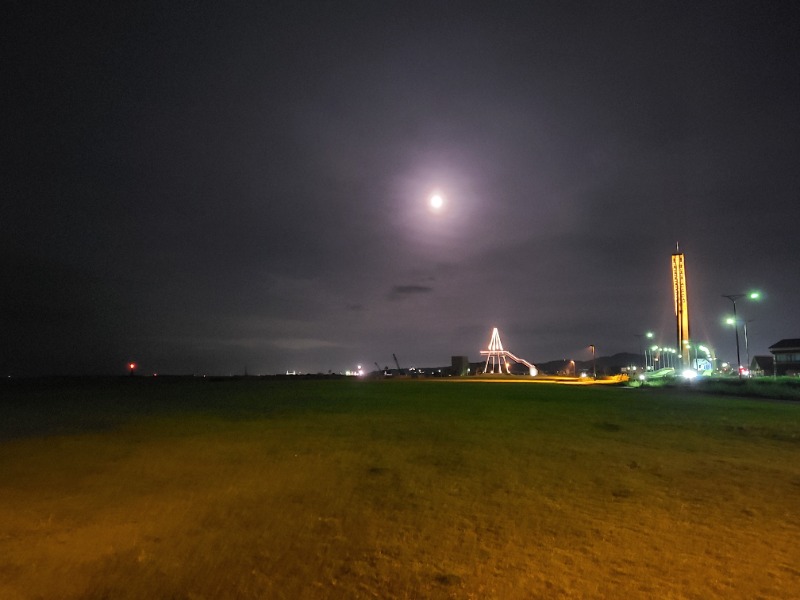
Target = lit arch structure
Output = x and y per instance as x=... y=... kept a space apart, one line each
x=498 y=357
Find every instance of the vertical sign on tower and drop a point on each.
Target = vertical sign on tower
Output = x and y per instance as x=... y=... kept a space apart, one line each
x=681 y=304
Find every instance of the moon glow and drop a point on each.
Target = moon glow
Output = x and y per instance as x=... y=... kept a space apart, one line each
x=436 y=202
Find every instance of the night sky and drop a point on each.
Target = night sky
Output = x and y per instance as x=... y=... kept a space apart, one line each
x=204 y=187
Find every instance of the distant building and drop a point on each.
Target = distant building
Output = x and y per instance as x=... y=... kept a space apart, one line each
x=459 y=365
x=787 y=356
x=761 y=366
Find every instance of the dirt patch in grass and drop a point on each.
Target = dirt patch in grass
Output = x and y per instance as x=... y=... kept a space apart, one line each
x=405 y=490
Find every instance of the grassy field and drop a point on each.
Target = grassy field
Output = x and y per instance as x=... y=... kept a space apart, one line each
x=408 y=489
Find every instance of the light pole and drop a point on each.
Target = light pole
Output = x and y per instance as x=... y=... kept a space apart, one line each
x=689 y=346
x=746 y=346
x=733 y=298
x=744 y=323
x=594 y=365
x=640 y=336
x=642 y=349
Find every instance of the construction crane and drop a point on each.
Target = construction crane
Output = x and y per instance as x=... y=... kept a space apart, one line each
x=399 y=370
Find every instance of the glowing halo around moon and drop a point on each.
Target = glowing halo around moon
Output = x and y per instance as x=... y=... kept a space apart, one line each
x=436 y=202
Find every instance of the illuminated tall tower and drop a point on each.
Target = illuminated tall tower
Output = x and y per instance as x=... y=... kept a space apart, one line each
x=681 y=305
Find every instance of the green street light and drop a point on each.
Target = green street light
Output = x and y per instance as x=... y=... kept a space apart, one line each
x=647 y=335
x=733 y=298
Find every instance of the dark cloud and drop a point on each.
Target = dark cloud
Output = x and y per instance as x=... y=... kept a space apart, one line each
x=409 y=290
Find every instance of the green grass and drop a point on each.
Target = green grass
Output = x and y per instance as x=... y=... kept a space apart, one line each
x=407 y=489
x=781 y=388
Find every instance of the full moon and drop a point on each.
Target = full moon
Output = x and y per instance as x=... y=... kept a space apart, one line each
x=437 y=202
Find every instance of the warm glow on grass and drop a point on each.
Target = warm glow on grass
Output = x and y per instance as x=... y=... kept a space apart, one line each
x=412 y=489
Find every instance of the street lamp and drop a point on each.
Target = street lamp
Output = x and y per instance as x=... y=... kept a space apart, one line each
x=689 y=345
x=649 y=336
x=733 y=298
x=734 y=322
x=746 y=347
x=670 y=357
x=594 y=365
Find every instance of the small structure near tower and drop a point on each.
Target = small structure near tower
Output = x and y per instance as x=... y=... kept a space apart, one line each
x=499 y=357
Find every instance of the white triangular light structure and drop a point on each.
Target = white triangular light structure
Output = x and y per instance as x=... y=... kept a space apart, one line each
x=499 y=357
x=495 y=353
